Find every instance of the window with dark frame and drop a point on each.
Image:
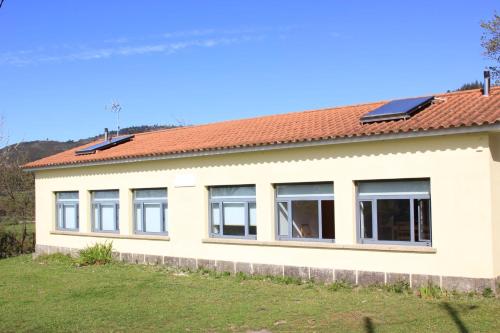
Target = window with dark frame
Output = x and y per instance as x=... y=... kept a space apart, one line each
x=67 y=210
x=233 y=211
x=305 y=211
x=394 y=212
x=105 y=211
x=150 y=211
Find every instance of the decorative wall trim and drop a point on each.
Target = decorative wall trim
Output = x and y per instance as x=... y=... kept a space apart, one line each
x=322 y=245
x=110 y=235
x=323 y=275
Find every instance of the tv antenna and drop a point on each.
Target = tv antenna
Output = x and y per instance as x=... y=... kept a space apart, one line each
x=116 y=108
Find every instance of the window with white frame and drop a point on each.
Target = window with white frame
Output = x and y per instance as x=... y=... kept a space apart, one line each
x=305 y=211
x=233 y=212
x=395 y=212
x=150 y=211
x=67 y=210
x=105 y=211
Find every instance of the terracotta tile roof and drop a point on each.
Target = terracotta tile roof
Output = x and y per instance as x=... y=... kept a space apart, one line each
x=451 y=110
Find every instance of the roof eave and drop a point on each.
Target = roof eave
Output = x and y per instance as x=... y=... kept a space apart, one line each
x=353 y=139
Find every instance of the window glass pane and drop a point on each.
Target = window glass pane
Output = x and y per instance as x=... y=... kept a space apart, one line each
x=108 y=217
x=365 y=210
x=422 y=215
x=165 y=216
x=394 y=188
x=60 y=216
x=152 y=216
x=113 y=194
x=234 y=219
x=67 y=195
x=328 y=219
x=138 y=217
x=70 y=216
x=304 y=189
x=252 y=218
x=393 y=219
x=283 y=218
x=96 y=217
x=215 y=218
x=232 y=191
x=305 y=219
x=151 y=193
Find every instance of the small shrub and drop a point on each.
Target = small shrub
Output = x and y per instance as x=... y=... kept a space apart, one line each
x=240 y=276
x=9 y=246
x=340 y=285
x=284 y=279
x=98 y=254
x=488 y=292
x=430 y=291
x=399 y=287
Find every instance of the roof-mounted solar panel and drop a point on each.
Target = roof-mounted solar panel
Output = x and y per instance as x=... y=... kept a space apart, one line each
x=397 y=109
x=104 y=145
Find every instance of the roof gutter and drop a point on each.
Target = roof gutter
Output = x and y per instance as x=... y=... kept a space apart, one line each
x=354 y=139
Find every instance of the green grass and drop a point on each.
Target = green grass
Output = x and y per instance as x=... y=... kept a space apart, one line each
x=54 y=295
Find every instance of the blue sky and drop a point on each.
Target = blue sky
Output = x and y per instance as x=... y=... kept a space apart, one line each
x=192 y=62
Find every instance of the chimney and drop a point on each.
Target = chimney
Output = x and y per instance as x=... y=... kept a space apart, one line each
x=486 y=86
x=106 y=134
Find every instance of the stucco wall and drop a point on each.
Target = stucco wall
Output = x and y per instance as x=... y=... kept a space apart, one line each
x=495 y=199
x=458 y=166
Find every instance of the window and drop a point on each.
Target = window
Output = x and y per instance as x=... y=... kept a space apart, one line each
x=233 y=212
x=395 y=212
x=305 y=211
x=105 y=208
x=67 y=210
x=150 y=211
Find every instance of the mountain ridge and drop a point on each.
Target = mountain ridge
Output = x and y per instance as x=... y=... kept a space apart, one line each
x=28 y=151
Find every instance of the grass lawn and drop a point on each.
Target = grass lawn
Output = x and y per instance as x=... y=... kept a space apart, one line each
x=52 y=295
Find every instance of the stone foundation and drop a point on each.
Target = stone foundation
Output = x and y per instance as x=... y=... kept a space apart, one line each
x=324 y=275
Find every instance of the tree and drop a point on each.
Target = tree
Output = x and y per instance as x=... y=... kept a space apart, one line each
x=470 y=85
x=490 y=41
x=16 y=186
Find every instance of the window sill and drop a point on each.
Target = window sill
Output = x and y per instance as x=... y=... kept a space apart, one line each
x=110 y=235
x=323 y=245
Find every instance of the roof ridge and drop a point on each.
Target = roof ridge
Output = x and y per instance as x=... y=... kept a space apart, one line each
x=332 y=108
x=468 y=108
x=260 y=117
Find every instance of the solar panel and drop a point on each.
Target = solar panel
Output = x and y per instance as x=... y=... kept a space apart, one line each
x=104 y=145
x=397 y=109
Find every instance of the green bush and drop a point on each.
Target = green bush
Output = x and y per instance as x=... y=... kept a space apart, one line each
x=430 y=291
x=15 y=239
x=98 y=254
x=488 y=292
x=9 y=246
x=399 y=287
x=340 y=285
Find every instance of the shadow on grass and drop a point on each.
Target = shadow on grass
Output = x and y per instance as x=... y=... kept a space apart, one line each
x=369 y=328
x=453 y=313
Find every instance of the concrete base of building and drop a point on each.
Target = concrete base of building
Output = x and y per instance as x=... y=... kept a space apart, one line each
x=322 y=275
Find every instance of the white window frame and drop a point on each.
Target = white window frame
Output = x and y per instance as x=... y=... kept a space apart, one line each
x=221 y=200
x=374 y=197
x=60 y=206
x=99 y=203
x=141 y=202
x=288 y=199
